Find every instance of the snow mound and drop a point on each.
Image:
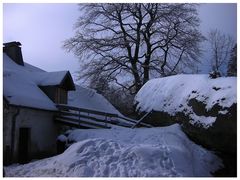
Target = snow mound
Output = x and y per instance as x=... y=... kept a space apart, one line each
x=62 y=138
x=171 y=94
x=122 y=152
x=104 y=158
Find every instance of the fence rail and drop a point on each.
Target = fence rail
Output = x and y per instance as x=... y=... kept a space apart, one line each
x=97 y=119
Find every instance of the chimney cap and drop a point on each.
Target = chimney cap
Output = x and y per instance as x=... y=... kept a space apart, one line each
x=13 y=43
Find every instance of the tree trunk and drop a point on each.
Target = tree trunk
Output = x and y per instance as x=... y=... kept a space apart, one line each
x=137 y=80
x=164 y=61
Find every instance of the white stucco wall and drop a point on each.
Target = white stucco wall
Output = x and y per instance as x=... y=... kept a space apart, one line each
x=43 y=131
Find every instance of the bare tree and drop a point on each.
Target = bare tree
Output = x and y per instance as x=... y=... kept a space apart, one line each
x=232 y=64
x=221 y=46
x=99 y=83
x=128 y=43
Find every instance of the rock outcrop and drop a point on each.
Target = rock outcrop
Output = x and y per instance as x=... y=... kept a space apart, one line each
x=205 y=108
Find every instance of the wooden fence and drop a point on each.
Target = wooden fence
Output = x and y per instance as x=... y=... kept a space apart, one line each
x=86 y=118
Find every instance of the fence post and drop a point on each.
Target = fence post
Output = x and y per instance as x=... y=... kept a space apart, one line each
x=138 y=122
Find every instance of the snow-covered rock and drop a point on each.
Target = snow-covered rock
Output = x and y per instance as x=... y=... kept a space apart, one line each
x=206 y=108
x=174 y=94
x=123 y=152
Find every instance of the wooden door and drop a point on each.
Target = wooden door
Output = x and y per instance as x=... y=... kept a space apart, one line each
x=23 y=148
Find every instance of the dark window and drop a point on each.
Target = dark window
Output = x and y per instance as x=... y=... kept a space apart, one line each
x=56 y=94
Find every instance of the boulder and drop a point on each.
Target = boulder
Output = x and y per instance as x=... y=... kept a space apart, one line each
x=221 y=137
x=206 y=109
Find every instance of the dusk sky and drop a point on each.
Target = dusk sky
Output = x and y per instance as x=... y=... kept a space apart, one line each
x=42 y=28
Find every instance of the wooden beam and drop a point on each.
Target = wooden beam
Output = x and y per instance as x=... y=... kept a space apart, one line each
x=72 y=121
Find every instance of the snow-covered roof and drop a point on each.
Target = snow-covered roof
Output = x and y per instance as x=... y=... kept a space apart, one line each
x=53 y=78
x=21 y=87
x=33 y=68
x=21 y=84
x=89 y=99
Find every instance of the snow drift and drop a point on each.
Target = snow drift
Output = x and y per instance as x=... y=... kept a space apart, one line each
x=123 y=152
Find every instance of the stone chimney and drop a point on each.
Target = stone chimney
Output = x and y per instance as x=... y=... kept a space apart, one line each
x=13 y=50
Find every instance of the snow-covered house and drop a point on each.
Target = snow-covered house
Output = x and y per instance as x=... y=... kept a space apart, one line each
x=30 y=99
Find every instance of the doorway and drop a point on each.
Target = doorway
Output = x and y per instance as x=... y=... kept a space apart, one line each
x=24 y=143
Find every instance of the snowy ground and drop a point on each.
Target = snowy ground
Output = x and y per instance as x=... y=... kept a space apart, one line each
x=122 y=152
